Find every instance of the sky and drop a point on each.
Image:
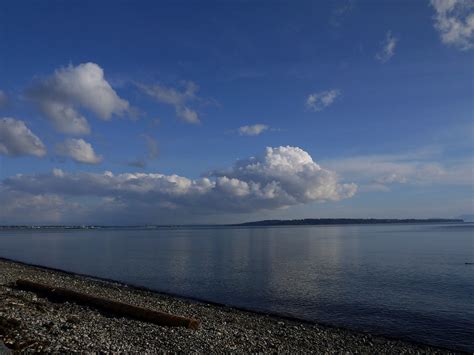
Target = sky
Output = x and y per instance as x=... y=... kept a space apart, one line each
x=182 y=112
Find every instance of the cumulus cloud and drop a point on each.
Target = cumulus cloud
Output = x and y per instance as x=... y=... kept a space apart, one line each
x=454 y=21
x=61 y=95
x=387 y=50
x=79 y=150
x=290 y=174
x=16 y=139
x=179 y=99
x=3 y=99
x=281 y=177
x=253 y=130
x=320 y=100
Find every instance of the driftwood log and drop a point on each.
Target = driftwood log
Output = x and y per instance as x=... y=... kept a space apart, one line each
x=114 y=307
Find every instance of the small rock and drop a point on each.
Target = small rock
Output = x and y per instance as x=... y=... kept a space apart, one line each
x=73 y=319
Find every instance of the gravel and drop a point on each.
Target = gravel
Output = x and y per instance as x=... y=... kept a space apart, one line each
x=29 y=322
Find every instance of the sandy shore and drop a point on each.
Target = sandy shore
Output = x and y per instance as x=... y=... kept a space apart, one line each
x=31 y=322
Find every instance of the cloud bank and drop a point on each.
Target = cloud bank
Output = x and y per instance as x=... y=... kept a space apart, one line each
x=60 y=96
x=279 y=178
x=454 y=21
x=381 y=172
x=16 y=139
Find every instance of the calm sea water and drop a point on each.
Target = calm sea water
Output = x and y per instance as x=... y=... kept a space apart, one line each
x=407 y=281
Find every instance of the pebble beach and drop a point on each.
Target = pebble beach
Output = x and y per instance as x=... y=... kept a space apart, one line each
x=30 y=322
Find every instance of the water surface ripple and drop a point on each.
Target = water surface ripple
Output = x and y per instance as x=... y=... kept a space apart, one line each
x=408 y=281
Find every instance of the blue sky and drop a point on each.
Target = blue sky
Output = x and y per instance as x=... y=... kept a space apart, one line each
x=366 y=107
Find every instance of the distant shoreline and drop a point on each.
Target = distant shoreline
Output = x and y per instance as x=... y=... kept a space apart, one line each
x=269 y=222
x=343 y=221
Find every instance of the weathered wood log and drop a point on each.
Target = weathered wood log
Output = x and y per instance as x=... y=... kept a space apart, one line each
x=114 y=307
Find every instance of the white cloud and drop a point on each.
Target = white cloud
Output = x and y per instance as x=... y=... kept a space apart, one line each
x=187 y=115
x=253 y=130
x=290 y=174
x=38 y=208
x=3 y=99
x=454 y=21
x=79 y=150
x=178 y=99
x=387 y=49
x=379 y=172
x=65 y=118
x=16 y=139
x=320 y=100
x=281 y=177
x=60 y=96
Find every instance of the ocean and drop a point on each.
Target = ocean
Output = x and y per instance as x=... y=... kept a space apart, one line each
x=410 y=281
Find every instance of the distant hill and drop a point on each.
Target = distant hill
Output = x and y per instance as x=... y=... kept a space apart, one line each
x=326 y=221
x=467 y=217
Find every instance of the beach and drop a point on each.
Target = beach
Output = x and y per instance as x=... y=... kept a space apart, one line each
x=31 y=322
